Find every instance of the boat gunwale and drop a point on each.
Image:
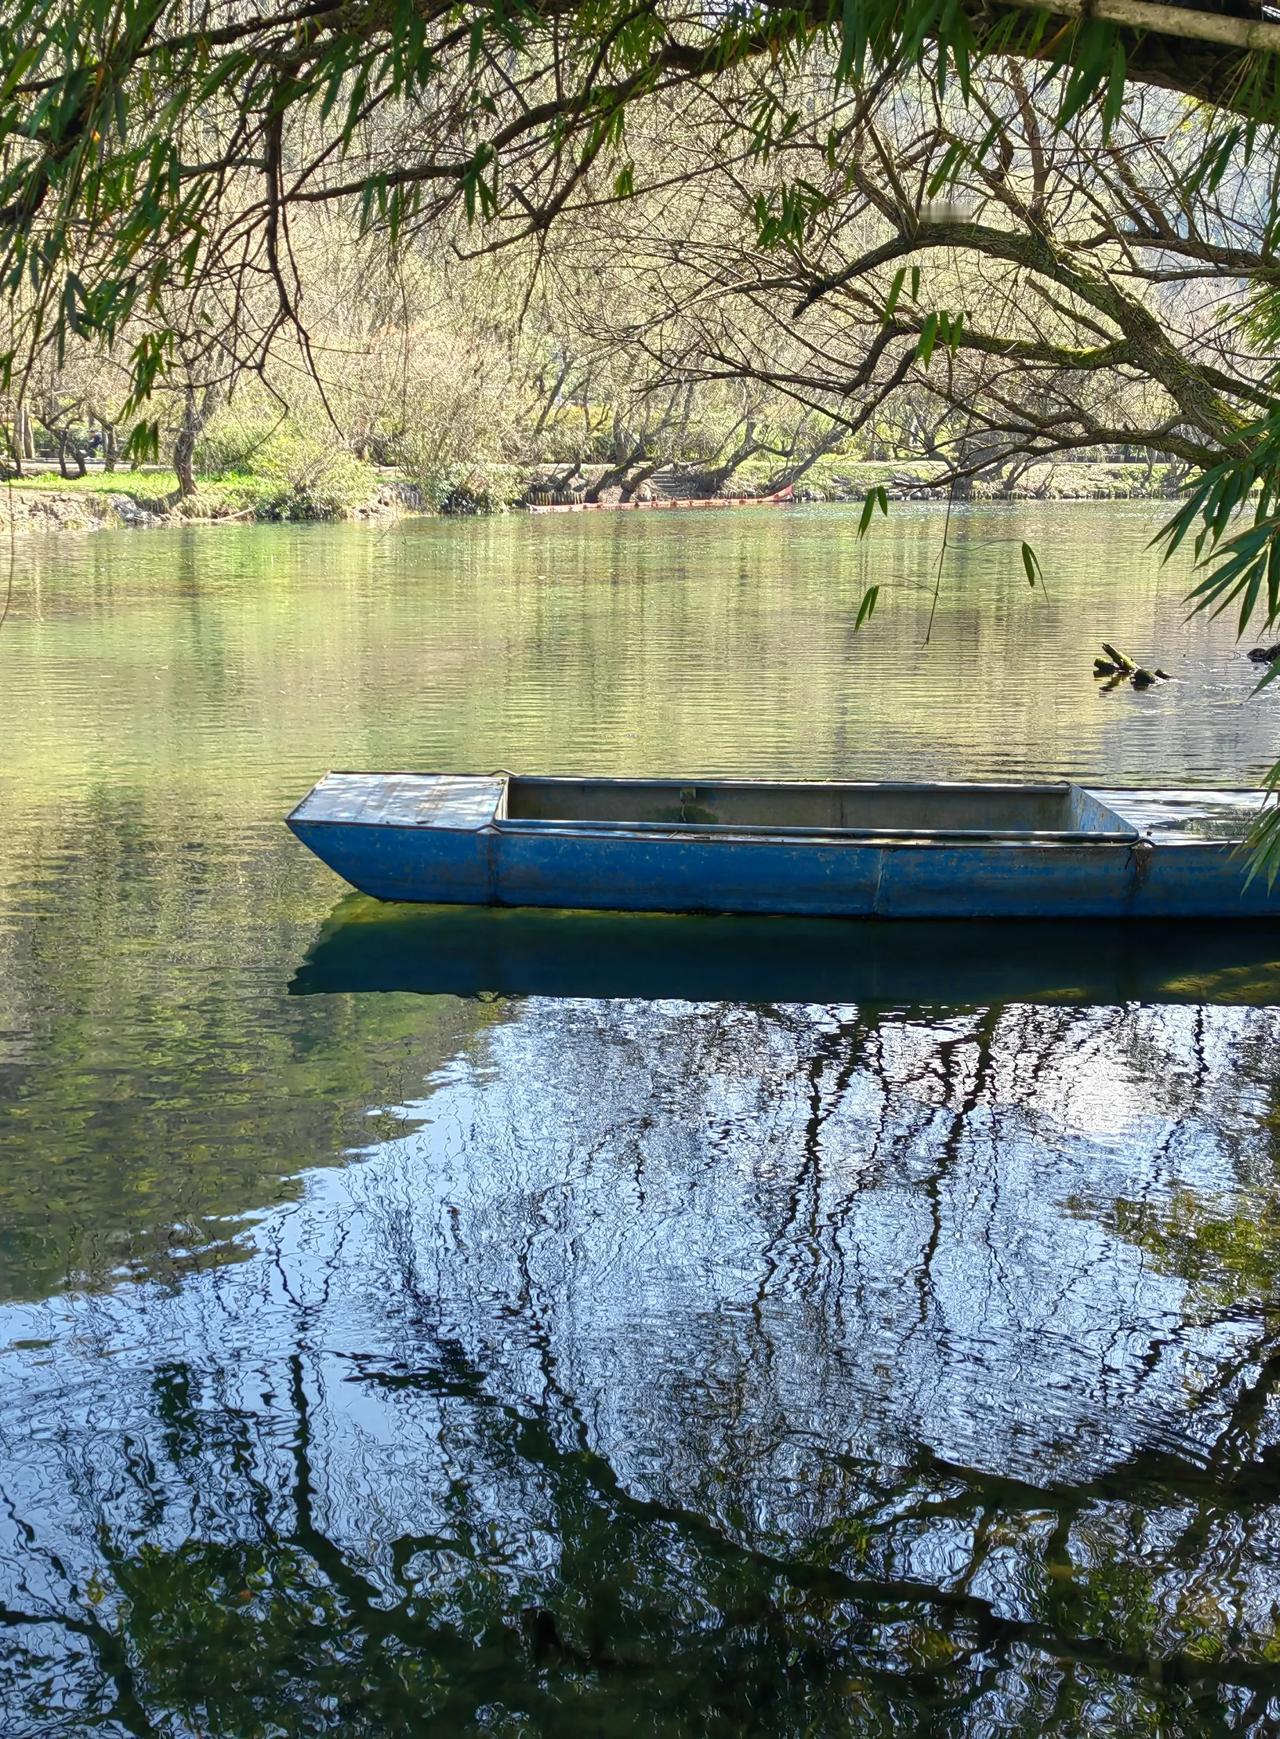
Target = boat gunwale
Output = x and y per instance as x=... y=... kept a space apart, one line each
x=1041 y=787
x=685 y=833
x=1023 y=787
x=714 y=833
x=1036 y=787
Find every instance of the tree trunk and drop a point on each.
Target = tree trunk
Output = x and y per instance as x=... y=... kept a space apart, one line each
x=184 y=448
x=615 y=476
x=795 y=469
x=550 y=401
x=110 y=452
x=195 y=414
x=21 y=438
x=65 y=439
x=747 y=448
x=637 y=476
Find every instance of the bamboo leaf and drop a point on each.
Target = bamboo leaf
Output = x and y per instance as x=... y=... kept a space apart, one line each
x=876 y=497
x=1263 y=839
x=928 y=338
x=895 y=290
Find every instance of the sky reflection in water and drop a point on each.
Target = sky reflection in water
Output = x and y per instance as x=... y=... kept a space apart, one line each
x=696 y=1367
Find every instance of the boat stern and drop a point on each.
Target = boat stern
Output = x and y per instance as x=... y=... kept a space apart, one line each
x=406 y=836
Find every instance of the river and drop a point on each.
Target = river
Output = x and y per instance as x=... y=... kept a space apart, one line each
x=487 y=1323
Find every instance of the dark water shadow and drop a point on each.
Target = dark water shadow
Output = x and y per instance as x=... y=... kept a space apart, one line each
x=466 y=951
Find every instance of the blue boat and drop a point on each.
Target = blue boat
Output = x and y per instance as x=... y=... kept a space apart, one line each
x=811 y=849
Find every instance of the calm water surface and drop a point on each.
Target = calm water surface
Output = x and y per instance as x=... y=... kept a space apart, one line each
x=496 y=1323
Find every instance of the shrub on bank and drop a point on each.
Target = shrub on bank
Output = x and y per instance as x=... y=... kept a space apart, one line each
x=284 y=471
x=482 y=488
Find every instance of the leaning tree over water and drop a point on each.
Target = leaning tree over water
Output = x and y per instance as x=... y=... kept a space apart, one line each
x=161 y=153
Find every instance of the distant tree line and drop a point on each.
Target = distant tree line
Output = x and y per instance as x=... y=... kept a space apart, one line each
x=1017 y=230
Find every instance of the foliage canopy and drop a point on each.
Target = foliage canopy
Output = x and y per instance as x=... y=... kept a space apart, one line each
x=146 y=145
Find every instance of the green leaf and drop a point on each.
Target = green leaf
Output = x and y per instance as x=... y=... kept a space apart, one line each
x=1263 y=839
x=877 y=497
x=928 y=338
x=895 y=290
x=954 y=158
x=143 y=443
x=1273 y=671
x=867 y=607
x=1113 y=103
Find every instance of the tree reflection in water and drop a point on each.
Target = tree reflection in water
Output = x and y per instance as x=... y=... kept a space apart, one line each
x=713 y=1368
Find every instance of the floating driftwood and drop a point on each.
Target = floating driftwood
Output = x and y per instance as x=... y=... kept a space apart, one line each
x=1118 y=665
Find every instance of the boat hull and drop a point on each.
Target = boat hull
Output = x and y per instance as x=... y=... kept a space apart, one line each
x=404 y=838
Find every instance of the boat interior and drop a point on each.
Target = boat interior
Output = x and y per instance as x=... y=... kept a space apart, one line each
x=1056 y=810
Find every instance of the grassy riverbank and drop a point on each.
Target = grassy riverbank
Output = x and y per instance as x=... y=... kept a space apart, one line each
x=840 y=479
x=348 y=489
x=49 y=502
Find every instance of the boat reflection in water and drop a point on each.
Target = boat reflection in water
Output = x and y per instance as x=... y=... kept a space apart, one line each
x=469 y=951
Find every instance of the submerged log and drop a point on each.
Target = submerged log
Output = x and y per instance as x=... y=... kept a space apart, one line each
x=1264 y=654
x=1117 y=666
x=1119 y=659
